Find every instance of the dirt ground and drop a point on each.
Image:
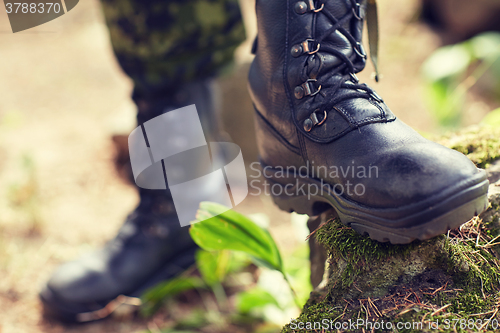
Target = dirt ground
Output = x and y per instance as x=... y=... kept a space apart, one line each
x=64 y=96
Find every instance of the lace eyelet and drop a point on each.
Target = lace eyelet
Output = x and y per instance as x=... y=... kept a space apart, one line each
x=312 y=7
x=356 y=10
x=307 y=49
x=360 y=50
x=306 y=89
x=313 y=120
x=322 y=121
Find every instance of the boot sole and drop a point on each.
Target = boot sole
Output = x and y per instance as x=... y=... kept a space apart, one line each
x=402 y=225
x=69 y=312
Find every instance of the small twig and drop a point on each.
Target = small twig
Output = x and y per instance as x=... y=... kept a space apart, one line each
x=486 y=261
x=319 y=227
x=488 y=321
x=341 y=315
x=407 y=309
x=418 y=299
x=423 y=318
x=384 y=311
x=363 y=307
x=377 y=312
x=440 y=309
x=482 y=288
x=481 y=314
x=349 y=303
x=489 y=244
x=437 y=290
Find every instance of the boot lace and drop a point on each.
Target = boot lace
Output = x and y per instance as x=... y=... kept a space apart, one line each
x=348 y=68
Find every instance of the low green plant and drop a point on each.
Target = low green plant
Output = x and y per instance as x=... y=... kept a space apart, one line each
x=229 y=243
x=222 y=229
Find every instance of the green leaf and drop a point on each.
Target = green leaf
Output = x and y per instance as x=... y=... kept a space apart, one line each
x=213 y=266
x=446 y=62
x=445 y=104
x=486 y=45
x=253 y=299
x=153 y=297
x=222 y=229
x=238 y=261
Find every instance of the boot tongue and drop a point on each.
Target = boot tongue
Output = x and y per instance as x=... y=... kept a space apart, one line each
x=324 y=62
x=335 y=40
x=338 y=8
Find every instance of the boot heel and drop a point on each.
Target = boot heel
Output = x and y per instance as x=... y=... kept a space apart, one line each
x=301 y=205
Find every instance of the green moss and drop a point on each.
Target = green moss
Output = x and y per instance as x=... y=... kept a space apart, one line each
x=464 y=310
x=343 y=243
x=347 y=243
x=446 y=323
x=317 y=308
x=481 y=144
x=465 y=304
x=472 y=269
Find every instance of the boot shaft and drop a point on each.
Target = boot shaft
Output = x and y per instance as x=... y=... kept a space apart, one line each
x=299 y=42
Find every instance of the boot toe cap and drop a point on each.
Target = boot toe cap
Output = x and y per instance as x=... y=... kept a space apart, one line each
x=78 y=281
x=414 y=173
x=77 y=287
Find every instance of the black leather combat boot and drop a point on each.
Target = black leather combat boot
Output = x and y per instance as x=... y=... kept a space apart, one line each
x=326 y=140
x=150 y=247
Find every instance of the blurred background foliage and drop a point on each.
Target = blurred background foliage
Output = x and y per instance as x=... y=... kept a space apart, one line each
x=452 y=71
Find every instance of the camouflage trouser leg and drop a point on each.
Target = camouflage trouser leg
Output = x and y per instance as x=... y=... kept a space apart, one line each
x=162 y=44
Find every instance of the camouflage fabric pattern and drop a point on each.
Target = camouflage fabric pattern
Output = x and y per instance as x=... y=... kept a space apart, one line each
x=162 y=44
